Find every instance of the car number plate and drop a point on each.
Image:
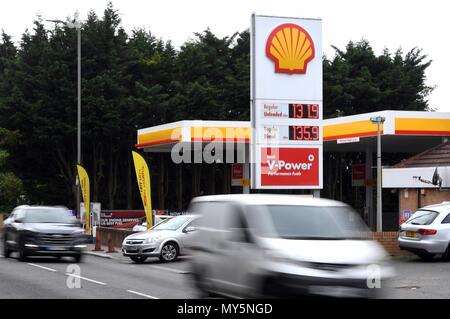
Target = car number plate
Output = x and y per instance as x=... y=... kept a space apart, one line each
x=55 y=248
x=410 y=234
x=132 y=248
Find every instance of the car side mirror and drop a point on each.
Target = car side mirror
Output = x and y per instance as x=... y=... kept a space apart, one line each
x=190 y=229
x=18 y=220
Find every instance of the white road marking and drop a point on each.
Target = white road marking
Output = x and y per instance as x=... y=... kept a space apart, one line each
x=87 y=279
x=177 y=271
x=42 y=267
x=141 y=294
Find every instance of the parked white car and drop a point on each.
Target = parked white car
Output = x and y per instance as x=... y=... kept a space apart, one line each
x=427 y=232
x=165 y=240
x=259 y=245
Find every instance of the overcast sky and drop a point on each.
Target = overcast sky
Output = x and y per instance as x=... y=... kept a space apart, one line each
x=393 y=24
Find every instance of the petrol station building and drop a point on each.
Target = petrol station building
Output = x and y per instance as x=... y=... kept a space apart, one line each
x=287 y=146
x=406 y=133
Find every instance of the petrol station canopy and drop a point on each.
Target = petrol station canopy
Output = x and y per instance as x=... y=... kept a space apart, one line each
x=402 y=132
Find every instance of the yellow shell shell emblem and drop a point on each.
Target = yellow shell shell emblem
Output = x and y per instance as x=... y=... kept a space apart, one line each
x=291 y=48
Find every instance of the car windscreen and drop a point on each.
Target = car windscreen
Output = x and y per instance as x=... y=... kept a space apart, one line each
x=308 y=222
x=158 y=219
x=52 y=215
x=422 y=217
x=171 y=223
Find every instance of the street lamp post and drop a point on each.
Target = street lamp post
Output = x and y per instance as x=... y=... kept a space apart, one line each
x=76 y=24
x=379 y=120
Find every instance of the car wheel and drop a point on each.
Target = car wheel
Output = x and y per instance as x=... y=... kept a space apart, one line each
x=446 y=255
x=138 y=259
x=425 y=256
x=199 y=282
x=169 y=252
x=6 y=251
x=78 y=258
x=22 y=255
x=271 y=289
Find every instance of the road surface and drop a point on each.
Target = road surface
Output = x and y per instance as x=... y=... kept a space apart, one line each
x=119 y=278
x=99 y=278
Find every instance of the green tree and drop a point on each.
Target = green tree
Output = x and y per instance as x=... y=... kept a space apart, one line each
x=213 y=78
x=11 y=187
x=136 y=80
x=357 y=81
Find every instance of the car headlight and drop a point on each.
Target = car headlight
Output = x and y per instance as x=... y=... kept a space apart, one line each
x=151 y=239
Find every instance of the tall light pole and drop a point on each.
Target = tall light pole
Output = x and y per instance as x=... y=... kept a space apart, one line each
x=379 y=120
x=76 y=24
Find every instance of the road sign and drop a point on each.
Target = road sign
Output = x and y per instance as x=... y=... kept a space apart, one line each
x=358 y=174
x=237 y=174
x=348 y=140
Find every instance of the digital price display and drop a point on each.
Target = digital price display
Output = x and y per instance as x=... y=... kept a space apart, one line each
x=303 y=111
x=303 y=133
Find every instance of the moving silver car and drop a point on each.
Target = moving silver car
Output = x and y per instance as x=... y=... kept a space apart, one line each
x=260 y=245
x=165 y=240
x=427 y=232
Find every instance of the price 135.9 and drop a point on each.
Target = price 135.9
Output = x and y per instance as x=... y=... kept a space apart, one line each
x=303 y=133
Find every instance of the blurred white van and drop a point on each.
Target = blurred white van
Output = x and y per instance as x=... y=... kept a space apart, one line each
x=259 y=245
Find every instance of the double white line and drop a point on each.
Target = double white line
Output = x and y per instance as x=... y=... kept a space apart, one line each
x=142 y=295
x=87 y=279
x=68 y=274
x=42 y=267
x=91 y=280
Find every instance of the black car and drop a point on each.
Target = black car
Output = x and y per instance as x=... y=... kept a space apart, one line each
x=43 y=231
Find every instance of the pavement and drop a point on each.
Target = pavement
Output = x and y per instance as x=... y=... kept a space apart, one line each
x=179 y=266
x=110 y=275
x=103 y=252
x=418 y=279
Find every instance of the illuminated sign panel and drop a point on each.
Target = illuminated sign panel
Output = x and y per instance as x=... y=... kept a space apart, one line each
x=290 y=167
x=290 y=134
x=290 y=110
x=286 y=99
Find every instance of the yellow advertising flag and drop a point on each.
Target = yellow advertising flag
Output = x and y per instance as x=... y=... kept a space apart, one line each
x=85 y=191
x=143 y=180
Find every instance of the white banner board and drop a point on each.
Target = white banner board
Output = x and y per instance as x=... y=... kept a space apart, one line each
x=414 y=177
x=95 y=214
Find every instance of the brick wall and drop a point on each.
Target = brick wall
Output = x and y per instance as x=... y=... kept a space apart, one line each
x=408 y=199
x=389 y=242
x=117 y=235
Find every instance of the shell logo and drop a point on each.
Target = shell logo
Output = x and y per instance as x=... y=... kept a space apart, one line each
x=291 y=48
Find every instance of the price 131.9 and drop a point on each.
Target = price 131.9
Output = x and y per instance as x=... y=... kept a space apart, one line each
x=303 y=133
x=303 y=111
